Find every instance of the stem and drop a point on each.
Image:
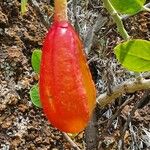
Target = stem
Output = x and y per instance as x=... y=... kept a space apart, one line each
x=91 y=133
x=74 y=145
x=126 y=87
x=60 y=10
x=117 y=19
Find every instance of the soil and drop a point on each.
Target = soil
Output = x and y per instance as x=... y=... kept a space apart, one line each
x=22 y=125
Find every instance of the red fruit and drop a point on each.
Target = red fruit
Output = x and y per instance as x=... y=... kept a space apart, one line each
x=67 y=91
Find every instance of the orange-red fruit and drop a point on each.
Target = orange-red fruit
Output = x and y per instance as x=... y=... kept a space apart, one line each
x=67 y=91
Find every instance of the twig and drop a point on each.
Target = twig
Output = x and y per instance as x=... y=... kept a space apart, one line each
x=88 y=41
x=76 y=24
x=119 y=110
x=73 y=144
x=121 y=141
x=147 y=5
x=146 y=100
x=91 y=133
x=94 y=6
x=126 y=87
x=98 y=24
x=146 y=9
x=131 y=113
x=117 y=19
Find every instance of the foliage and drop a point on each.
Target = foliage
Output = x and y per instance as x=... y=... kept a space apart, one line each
x=23 y=6
x=36 y=59
x=134 y=55
x=34 y=92
x=128 y=6
x=34 y=95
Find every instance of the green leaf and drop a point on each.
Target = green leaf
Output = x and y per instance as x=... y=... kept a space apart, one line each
x=134 y=55
x=23 y=6
x=34 y=95
x=36 y=59
x=130 y=7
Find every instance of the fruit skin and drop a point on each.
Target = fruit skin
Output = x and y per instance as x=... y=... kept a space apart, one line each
x=67 y=91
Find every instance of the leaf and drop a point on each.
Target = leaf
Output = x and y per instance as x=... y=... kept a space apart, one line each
x=23 y=6
x=36 y=59
x=34 y=95
x=134 y=55
x=130 y=7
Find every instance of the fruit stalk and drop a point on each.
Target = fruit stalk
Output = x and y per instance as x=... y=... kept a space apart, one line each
x=60 y=13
